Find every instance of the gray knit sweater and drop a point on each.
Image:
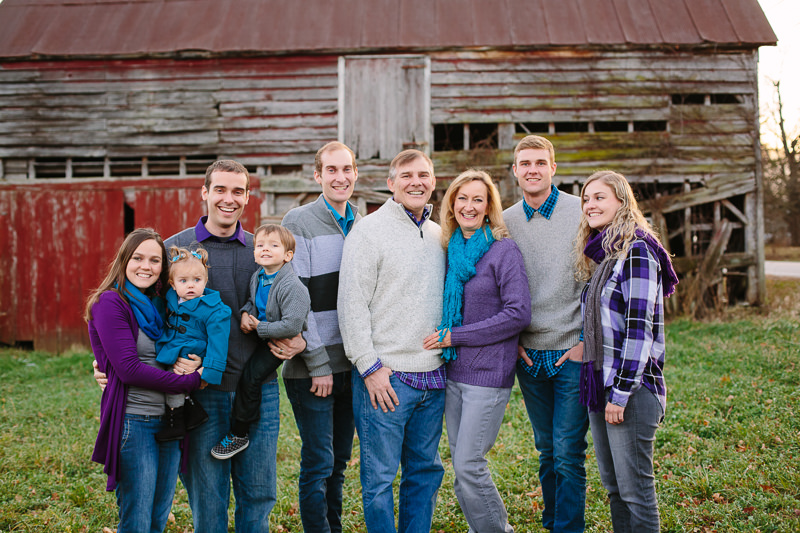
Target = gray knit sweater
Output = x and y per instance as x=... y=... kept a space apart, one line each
x=390 y=291
x=287 y=305
x=230 y=267
x=546 y=247
x=317 y=258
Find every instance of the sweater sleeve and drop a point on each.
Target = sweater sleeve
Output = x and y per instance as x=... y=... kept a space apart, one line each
x=249 y=306
x=294 y=303
x=218 y=329
x=639 y=287
x=111 y=318
x=512 y=282
x=315 y=356
x=358 y=278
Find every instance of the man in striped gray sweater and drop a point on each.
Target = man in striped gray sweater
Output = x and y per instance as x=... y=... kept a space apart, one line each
x=318 y=382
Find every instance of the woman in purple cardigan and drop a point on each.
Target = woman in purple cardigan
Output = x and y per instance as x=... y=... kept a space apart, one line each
x=124 y=322
x=486 y=305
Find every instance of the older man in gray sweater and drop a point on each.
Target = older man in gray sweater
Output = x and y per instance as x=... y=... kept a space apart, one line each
x=390 y=298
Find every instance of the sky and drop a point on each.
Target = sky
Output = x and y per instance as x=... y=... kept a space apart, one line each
x=782 y=63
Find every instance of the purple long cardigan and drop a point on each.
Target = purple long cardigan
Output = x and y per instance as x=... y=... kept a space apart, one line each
x=113 y=331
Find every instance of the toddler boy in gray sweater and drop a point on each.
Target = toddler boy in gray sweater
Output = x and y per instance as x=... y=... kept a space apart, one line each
x=277 y=308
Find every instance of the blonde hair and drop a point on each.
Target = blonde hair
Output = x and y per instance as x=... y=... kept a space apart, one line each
x=116 y=276
x=535 y=142
x=494 y=208
x=178 y=256
x=620 y=233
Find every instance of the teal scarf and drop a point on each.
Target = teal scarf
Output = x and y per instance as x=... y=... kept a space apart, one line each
x=462 y=256
x=145 y=311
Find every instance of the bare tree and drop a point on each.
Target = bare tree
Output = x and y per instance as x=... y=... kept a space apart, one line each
x=782 y=180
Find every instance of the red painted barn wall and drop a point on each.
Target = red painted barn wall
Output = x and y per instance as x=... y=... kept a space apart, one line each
x=61 y=237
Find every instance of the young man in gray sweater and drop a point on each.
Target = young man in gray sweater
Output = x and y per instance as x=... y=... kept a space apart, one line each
x=544 y=224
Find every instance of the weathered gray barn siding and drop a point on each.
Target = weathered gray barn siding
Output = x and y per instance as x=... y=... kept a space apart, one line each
x=688 y=121
x=275 y=110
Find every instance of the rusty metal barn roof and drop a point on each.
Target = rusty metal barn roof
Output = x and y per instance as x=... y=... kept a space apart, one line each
x=123 y=28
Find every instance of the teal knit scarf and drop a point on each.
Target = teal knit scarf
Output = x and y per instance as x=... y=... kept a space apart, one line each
x=147 y=314
x=462 y=256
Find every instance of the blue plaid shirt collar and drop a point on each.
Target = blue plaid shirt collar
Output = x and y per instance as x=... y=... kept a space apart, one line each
x=425 y=214
x=546 y=209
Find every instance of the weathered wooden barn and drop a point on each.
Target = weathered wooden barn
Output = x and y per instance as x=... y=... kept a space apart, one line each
x=111 y=109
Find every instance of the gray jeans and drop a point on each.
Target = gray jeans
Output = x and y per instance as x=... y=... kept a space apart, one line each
x=474 y=416
x=625 y=460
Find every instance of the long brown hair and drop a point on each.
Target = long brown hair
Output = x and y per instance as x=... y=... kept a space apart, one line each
x=621 y=232
x=115 y=278
x=494 y=207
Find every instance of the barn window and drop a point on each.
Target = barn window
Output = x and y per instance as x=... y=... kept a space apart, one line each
x=727 y=99
x=448 y=137
x=478 y=135
x=571 y=127
x=50 y=167
x=649 y=125
x=482 y=136
x=118 y=167
x=610 y=127
x=529 y=128
x=707 y=99
x=688 y=99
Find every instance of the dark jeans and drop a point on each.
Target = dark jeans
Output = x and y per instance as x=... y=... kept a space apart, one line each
x=261 y=365
x=326 y=430
x=559 y=429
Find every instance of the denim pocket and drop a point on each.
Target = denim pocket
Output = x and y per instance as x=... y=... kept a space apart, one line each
x=126 y=431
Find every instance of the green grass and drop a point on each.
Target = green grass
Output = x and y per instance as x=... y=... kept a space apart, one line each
x=727 y=456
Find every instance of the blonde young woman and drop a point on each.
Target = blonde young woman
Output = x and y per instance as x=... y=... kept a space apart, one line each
x=486 y=305
x=622 y=382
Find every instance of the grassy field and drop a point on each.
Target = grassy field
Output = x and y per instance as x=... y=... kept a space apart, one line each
x=727 y=456
x=782 y=253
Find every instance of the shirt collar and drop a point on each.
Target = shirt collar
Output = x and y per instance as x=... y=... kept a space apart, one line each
x=426 y=212
x=203 y=234
x=547 y=207
x=345 y=222
x=266 y=279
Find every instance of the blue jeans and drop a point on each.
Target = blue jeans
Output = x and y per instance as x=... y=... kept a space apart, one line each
x=326 y=430
x=625 y=460
x=208 y=480
x=559 y=428
x=148 y=473
x=408 y=437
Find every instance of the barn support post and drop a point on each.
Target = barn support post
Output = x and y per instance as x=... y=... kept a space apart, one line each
x=754 y=208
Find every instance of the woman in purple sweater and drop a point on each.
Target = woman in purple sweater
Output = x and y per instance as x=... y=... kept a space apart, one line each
x=486 y=305
x=124 y=323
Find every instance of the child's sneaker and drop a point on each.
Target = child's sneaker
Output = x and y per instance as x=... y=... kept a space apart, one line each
x=230 y=446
